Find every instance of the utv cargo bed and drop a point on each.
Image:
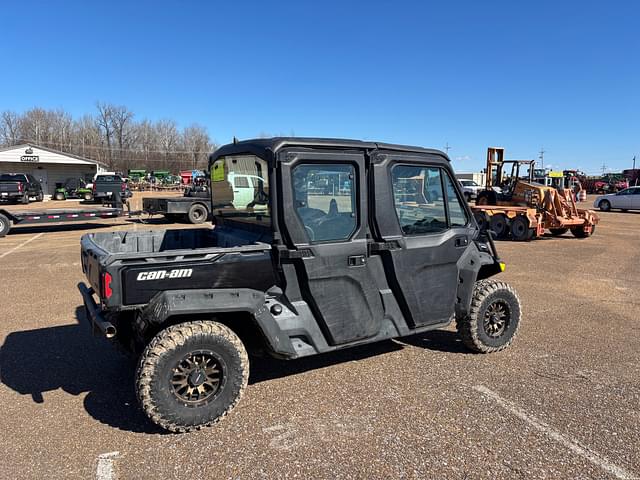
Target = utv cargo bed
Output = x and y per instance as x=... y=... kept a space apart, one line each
x=132 y=267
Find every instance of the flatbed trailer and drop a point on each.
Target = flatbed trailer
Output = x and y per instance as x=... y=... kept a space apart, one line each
x=194 y=209
x=8 y=219
x=526 y=223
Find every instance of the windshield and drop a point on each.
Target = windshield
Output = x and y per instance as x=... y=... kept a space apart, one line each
x=240 y=187
x=468 y=183
x=8 y=177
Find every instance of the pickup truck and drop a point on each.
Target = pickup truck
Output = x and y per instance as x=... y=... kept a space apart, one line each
x=194 y=206
x=104 y=186
x=20 y=187
x=343 y=243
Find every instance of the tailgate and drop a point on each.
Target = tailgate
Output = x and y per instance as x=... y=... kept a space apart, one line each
x=9 y=187
x=91 y=256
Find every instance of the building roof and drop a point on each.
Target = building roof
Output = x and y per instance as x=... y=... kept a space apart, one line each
x=50 y=155
x=274 y=144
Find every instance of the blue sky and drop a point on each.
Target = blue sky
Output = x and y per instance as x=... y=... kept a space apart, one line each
x=563 y=75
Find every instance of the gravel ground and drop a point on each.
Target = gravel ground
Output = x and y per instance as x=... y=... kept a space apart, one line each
x=562 y=402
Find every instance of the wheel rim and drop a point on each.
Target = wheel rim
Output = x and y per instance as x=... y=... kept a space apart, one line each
x=197 y=378
x=496 y=319
x=518 y=229
x=198 y=213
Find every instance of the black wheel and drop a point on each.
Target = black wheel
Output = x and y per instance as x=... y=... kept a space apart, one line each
x=520 y=230
x=580 y=232
x=58 y=196
x=5 y=225
x=556 y=232
x=40 y=197
x=467 y=197
x=191 y=375
x=494 y=317
x=500 y=225
x=487 y=197
x=87 y=197
x=25 y=199
x=198 y=213
x=605 y=205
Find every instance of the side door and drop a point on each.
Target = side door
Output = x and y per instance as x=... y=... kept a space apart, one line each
x=324 y=215
x=623 y=199
x=423 y=227
x=635 y=198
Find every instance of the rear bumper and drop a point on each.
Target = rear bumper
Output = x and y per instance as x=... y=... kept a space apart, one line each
x=99 y=326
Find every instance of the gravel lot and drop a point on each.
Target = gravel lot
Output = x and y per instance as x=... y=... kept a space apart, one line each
x=562 y=402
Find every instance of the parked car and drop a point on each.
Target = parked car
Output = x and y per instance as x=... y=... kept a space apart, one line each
x=470 y=189
x=627 y=199
x=20 y=187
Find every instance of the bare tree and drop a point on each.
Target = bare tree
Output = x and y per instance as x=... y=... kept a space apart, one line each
x=104 y=122
x=9 y=128
x=196 y=141
x=121 y=123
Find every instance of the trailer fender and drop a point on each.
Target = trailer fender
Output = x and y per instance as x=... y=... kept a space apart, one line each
x=172 y=303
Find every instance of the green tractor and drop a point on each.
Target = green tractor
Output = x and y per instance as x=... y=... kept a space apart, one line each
x=73 y=188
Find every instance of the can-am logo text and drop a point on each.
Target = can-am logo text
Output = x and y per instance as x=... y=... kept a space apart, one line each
x=162 y=274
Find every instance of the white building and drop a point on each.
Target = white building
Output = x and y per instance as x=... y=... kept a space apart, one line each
x=47 y=165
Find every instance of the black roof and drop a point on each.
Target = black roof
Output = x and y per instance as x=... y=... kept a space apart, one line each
x=259 y=146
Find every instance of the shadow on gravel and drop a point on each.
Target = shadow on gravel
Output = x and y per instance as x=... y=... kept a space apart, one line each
x=267 y=368
x=34 y=362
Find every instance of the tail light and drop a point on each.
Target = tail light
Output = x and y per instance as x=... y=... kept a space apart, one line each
x=106 y=286
x=123 y=186
x=20 y=187
x=93 y=188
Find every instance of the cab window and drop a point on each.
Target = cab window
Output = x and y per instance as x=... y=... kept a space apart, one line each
x=419 y=199
x=240 y=188
x=425 y=200
x=324 y=198
x=457 y=214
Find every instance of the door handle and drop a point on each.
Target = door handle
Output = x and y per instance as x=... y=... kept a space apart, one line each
x=461 y=241
x=357 y=260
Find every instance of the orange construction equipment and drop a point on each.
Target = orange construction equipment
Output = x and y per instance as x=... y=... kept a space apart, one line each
x=519 y=208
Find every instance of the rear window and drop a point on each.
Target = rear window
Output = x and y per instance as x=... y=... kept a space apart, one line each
x=240 y=188
x=11 y=177
x=108 y=178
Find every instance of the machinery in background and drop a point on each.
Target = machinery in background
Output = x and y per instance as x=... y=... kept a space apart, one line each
x=515 y=206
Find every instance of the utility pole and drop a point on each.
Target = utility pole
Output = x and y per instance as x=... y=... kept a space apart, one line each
x=541 y=157
x=447 y=148
x=604 y=168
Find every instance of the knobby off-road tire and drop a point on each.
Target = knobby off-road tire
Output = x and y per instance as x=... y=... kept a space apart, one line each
x=170 y=393
x=494 y=318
